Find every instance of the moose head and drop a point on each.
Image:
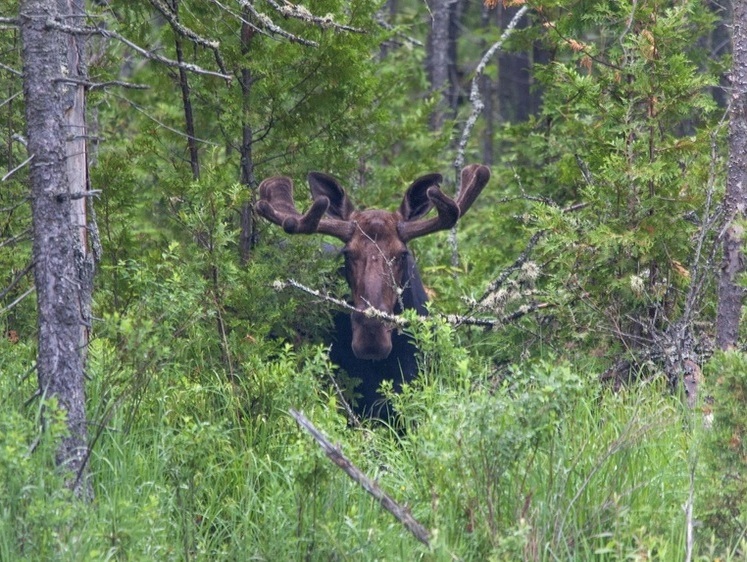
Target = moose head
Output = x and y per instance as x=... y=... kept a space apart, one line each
x=377 y=261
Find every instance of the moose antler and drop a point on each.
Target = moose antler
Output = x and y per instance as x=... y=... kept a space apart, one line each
x=473 y=179
x=276 y=205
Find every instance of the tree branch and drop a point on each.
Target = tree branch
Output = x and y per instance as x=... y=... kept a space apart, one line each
x=401 y=513
x=54 y=24
x=184 y=31
x=477 y=106
x=297 y=11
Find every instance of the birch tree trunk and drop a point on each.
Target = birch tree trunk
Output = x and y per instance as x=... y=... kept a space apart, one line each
x=53 y=71
x=730 y=293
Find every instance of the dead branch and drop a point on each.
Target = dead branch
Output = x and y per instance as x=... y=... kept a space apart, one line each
x=11 y=70
x=10 y=99
x=90 y=31
x=400 y=322
x=297 y=11
x=14 y=170
x=474 y=97
x=401 y=513
x=184 y=31
x=267 y=23
x=12 y=305
x=477 y=106
x=103 y=85
x=16 y=279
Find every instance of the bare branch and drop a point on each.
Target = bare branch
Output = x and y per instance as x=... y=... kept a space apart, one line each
x=16 y=279
x=297 y=11
x=10 y=99
x=477 y=106
x=12 y=305
x=400 y=322
x=161 y=123
x=369 y=312
x=11 y=70
x=401 y=513
x=103 y=85
x=14 y=170
x=474 y=96
x=177 y=26
x=54 y=24
x=268 y=24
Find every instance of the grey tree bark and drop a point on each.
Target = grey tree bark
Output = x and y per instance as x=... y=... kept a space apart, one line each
x=442 y=58
x=730 y=293
x=53 y=74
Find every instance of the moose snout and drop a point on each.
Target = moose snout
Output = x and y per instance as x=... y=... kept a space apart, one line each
x=372 y=339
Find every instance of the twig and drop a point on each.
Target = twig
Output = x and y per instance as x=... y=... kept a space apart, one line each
x=161 y=123
x=370 y=312
x=402 y=513
x=18 y=300
x=11 y=70
x=689 y=521
x=14 y=170
x=10 y=99
x=474 y=96
x=16 y=279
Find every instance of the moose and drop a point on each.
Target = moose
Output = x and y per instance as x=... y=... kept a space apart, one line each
x=379 y=269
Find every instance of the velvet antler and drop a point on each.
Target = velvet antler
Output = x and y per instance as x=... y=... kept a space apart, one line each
x=473 y=179
x=276 y=205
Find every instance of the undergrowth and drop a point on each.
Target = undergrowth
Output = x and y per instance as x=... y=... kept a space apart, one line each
x=535 y=462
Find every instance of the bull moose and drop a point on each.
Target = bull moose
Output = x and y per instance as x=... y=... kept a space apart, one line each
x=378 y=266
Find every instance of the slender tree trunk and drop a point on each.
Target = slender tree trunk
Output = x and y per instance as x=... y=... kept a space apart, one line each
x=189 y=120
x=440 y=51
x=730 y=293
x=63 y=272
x=248 y=234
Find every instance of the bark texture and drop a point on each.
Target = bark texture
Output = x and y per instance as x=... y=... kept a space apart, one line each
x=58 y=175
x=730 y=293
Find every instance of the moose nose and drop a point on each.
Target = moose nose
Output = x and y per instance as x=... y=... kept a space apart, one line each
x=372 y=340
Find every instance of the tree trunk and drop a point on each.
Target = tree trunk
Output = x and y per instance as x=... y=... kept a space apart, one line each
x=730 y=293
x=63 y=269
x=441 y=55
x=248 y=234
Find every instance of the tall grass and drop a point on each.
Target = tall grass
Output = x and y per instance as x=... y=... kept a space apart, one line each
x=538 y=463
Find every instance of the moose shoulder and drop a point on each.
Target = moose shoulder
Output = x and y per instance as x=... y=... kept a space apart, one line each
x=378 y=266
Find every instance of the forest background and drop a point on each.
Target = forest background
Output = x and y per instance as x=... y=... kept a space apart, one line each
x=583 y=378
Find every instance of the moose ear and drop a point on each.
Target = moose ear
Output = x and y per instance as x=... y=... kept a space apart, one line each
x=323 y=185
x=416 y=203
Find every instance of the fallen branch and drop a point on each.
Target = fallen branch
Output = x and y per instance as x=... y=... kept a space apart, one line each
x=402 y=513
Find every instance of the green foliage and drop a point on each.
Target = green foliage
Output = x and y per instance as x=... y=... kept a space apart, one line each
x=725 y=451
x=503 y=448
x=629 y=134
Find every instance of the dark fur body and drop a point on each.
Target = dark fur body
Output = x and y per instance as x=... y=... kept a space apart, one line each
x=401 y=366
